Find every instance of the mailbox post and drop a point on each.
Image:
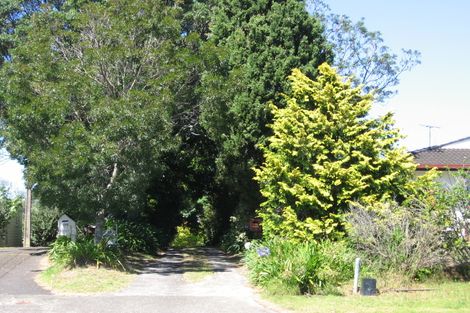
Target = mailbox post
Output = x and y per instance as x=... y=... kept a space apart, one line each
x=67 y=227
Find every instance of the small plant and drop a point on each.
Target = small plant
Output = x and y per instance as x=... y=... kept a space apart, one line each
x=287 y=267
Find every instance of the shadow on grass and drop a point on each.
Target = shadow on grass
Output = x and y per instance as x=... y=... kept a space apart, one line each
x=459 y=272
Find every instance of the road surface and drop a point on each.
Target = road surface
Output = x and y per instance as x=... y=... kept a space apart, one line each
x=160 y=286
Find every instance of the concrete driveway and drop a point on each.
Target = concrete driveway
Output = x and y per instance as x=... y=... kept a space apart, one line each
x=159 y=287
x=18 y=266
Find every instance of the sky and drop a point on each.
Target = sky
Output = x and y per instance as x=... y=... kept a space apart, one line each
x=436 y=92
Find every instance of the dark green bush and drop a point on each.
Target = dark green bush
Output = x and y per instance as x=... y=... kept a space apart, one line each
x=43 y=225
x=134 y=237
x=84 y=252
x=285 y=267
x=234 y=239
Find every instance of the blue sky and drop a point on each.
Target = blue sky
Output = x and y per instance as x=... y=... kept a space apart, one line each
x=437 y=92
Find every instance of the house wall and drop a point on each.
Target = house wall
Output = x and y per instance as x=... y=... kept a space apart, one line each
x=446 y=177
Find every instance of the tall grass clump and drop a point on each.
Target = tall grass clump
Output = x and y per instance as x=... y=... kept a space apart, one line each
x=286 y=267
x=83 y=252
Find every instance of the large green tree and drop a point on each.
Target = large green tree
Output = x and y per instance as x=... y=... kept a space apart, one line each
x=259 y=43
x=326 y=152
x=90 y=97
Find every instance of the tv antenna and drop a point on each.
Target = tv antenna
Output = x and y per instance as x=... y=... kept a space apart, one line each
x=430 y=127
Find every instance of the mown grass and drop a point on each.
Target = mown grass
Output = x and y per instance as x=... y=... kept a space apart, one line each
x=84 y=279
x=444 y=298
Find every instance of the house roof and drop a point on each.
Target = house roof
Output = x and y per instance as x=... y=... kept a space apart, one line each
x=441 y=157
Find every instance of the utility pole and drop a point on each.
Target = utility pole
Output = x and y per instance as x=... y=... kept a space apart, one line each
x=27 y=219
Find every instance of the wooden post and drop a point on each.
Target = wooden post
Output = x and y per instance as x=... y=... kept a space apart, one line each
x=27 y=219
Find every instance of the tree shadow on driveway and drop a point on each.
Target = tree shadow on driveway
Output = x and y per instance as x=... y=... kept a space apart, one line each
x=180 y=261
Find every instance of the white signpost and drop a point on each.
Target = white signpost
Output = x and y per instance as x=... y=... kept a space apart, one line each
x=66 y=227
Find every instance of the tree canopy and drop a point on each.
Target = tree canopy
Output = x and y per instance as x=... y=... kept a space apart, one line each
x=90 y=94
x=260 y=42
x=326 y=152
x=361 y=53
x=155 y=109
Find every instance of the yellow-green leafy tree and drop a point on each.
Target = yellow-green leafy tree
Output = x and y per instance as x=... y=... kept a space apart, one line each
x=326 y=152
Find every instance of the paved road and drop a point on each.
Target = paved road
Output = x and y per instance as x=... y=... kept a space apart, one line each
x=18 y=266
x=159 y=287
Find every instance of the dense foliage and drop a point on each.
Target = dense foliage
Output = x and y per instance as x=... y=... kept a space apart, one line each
x=286 y=267
x=405 y=240
x=43 y=224
x=9 y=206
x=453 y=204
x=101 y=88
x=83 y=252
x=154 y=112
x=133 y=236
x=260 y=42
x=325 y=153
x=186 y=238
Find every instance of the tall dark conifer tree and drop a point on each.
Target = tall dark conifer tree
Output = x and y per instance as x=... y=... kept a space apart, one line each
x=260 y=43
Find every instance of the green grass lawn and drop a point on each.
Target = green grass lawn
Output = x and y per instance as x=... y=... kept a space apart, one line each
x=447 y=297
x=84 y=279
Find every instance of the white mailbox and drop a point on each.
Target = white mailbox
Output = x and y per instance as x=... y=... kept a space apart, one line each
x=66 y=227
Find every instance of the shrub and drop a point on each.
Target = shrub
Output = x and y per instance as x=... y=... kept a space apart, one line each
x=186 y=239
x=207 y=218
x=43 y=225
x=403 y=240
x=234 y=239
x=84 y=252
x=8 y=206
x=454 y=204
x=287 y=267
x=134 y=237
x=324 y=152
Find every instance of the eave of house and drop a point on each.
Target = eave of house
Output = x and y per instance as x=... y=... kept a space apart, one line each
x=442 y=167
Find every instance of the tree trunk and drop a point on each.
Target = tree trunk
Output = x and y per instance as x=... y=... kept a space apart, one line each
x=99 y=228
